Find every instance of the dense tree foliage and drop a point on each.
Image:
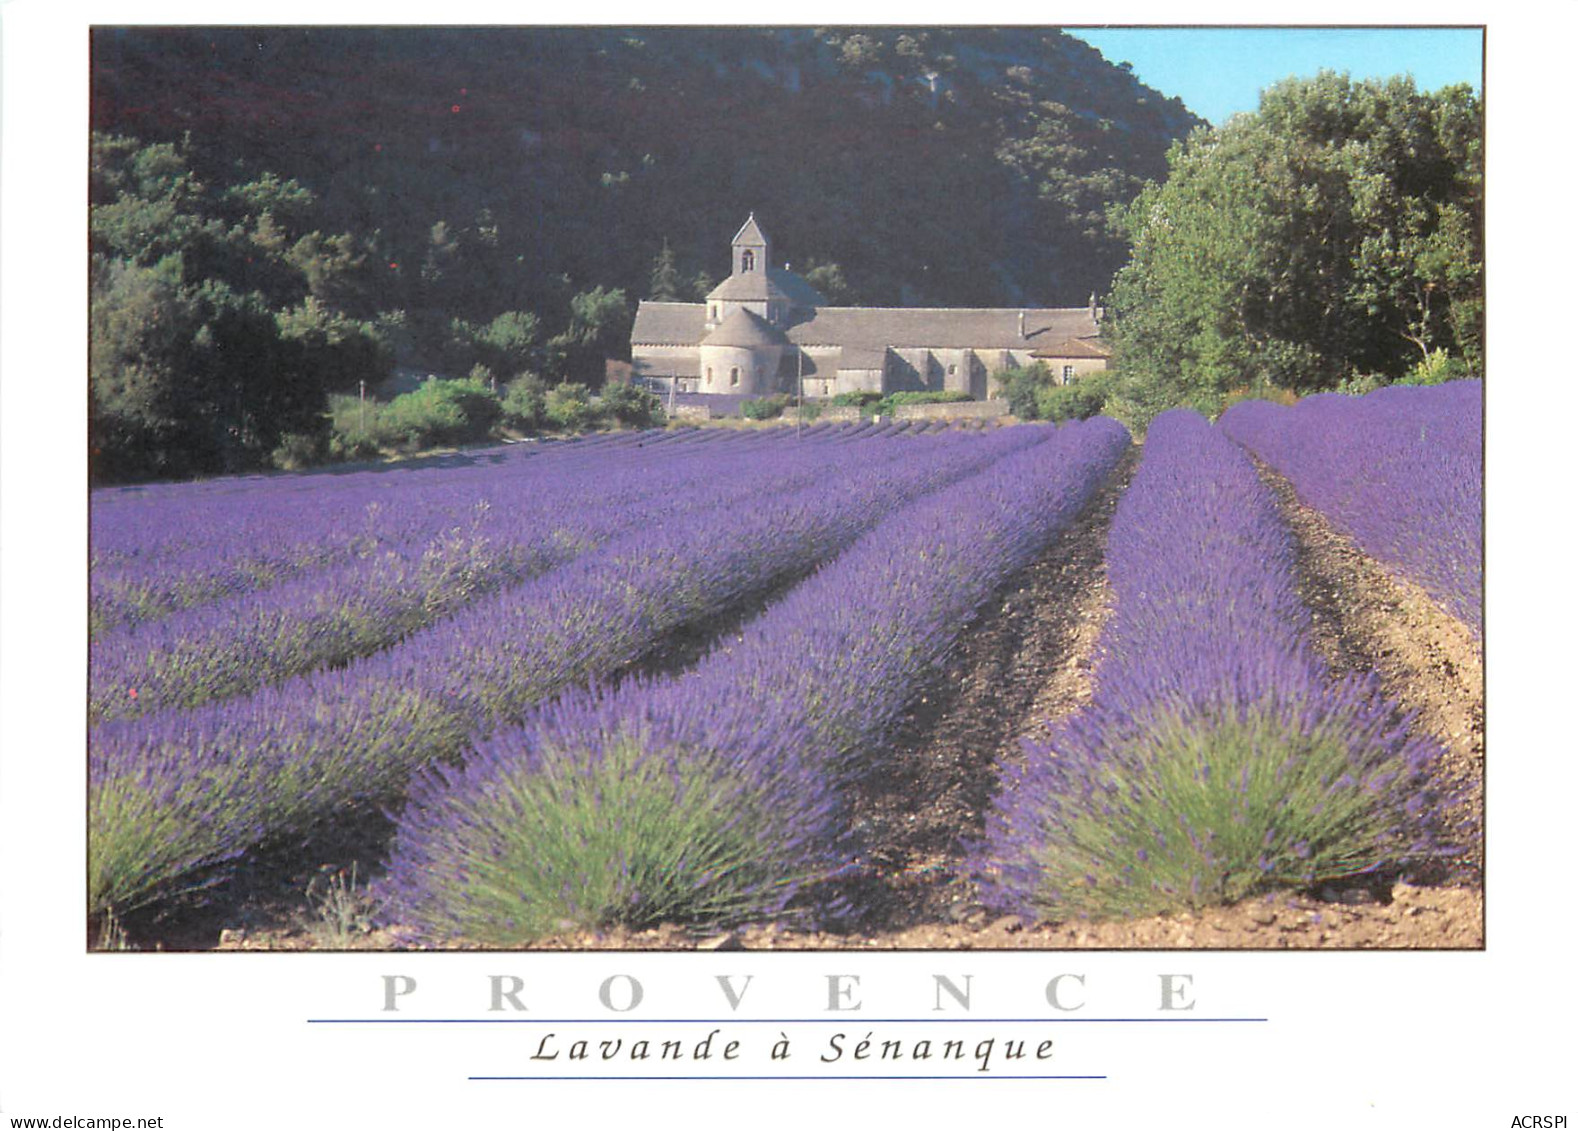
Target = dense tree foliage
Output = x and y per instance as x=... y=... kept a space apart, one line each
x=511 y=168
x=1034 y=393
x=223 y=319
x=214 y=330
x=1335 y=233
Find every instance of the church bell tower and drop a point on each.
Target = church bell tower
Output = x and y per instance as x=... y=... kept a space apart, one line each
x=752 y=252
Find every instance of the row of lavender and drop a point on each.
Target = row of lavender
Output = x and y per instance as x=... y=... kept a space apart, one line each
x=159 y=523
x=1219 y=756
x=174 y=793
x=461 y=549
x=172 y=537
x=164 y=519
x=718 y=794
x=156 y=554
x=1398 y=470
x=194 y=492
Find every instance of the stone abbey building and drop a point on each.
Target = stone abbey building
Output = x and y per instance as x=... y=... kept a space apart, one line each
x=766 y=330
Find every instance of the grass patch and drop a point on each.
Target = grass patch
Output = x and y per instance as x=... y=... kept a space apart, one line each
x=342 y=909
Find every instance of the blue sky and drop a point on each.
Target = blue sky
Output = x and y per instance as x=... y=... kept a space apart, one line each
x=1221 y=71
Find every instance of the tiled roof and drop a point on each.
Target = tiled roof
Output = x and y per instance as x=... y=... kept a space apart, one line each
x=678 y=365
x=869 y=327
x=1075 y=347
x=668 y=324
x=800 y=292
x=750 y=233
x=775 y=283
x=948 y=328
x=748 y=286
x=745 y=329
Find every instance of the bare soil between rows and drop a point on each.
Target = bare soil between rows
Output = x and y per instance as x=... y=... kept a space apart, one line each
x=1027 y=661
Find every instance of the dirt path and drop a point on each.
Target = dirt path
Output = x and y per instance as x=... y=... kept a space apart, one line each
x=1429 y=662
x=1028 y=656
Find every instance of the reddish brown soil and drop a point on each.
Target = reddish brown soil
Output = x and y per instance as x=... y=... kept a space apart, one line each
x=1028 y=659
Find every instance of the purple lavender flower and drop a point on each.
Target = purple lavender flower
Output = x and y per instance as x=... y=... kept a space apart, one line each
x=468 y=546
x=1398 y=470
x=775 y=722
x=218 y=779
x=1226 y=756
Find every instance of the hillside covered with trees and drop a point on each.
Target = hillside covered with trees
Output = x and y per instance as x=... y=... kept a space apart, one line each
x=281 y=214
x=948 y=166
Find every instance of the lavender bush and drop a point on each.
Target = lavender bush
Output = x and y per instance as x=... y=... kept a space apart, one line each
x=218 y=780
x=1218 y=758
x=160 y=550
x=599 y=812
x=1398 y=470
x=328 y=618
x=716 y=795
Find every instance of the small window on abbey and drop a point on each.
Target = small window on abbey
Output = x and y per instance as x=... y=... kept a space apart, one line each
x=734 y=376
x=747 y=260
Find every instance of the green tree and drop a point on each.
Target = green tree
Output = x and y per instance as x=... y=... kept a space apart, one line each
x=139 y=323
x=341 y=352
x=216 y=329
x=598 y=317
x=1020 y=385
x=189 y=380
x=1336 y=231
x=828 y=279
x=861 y=51
x=258 y=383
x=568 y=407
x=525 y=402
x=1070 y=174
x=331 y=266
x=146 y=203
x=509 y=342
x=632 y=407
x=285 y=199
x=666 y=285
x=599 y=328
x=393 y=331
x=442 y=254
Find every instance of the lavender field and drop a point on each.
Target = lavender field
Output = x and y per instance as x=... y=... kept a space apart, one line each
x=663 y=681
x=1219 y=756
x=1398 y=470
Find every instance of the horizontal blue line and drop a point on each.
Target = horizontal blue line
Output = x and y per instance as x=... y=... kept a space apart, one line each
x=975 y=1076
x=850 y=1020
